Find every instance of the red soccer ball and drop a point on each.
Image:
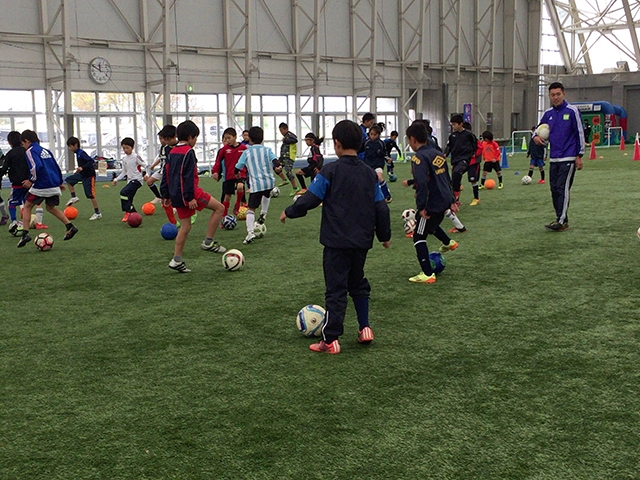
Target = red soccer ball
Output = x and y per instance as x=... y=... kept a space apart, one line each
x=134 y=220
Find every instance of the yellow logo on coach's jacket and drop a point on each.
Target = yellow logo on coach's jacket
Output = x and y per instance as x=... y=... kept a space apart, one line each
x=415 y=160
x=438 y=161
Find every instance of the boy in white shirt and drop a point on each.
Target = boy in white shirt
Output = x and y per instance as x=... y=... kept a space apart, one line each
x=132 y=168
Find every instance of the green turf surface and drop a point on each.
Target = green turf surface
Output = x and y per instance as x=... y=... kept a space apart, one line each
x=520 y=362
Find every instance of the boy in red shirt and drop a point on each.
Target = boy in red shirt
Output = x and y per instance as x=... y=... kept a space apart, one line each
x=179 y=188
x=224 y=168
x=491 y=156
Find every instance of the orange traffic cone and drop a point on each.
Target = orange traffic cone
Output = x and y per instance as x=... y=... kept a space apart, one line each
x=592 y=153
x=621 y=142
x=636 y=151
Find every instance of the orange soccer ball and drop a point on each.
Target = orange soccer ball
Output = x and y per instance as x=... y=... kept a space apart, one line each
x=490 y=184
x=71 y=213
x=148 y=208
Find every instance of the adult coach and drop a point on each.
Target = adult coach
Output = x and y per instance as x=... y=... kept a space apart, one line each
x=566 y=136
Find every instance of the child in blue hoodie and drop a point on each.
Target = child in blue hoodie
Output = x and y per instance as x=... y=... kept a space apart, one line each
x=44 y=185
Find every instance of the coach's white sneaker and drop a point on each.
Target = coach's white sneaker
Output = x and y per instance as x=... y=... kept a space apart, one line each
x=72 y=200
x=249 y=238
x=95 y=216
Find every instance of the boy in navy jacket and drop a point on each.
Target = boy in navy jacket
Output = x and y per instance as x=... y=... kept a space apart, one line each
x=353 y=210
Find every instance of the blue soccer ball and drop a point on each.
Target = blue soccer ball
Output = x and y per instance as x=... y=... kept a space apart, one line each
x=229 y=222
x=393 y=177
x=169 y=231
x=437 y=262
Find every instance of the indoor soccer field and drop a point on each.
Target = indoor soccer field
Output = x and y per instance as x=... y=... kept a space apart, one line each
x=520 y=362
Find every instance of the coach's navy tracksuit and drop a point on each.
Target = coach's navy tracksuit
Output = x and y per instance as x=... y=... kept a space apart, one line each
x=566 y=137
x=353 y=209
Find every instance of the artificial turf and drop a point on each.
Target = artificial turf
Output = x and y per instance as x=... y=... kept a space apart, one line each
x=520 y=362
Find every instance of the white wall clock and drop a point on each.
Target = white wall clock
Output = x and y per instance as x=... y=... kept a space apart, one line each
x=100 y=70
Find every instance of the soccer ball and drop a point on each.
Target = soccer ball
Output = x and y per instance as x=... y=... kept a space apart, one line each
x=43 y=242
x=169 y=231
x=71 y=213
x=148 y=208
x=242 y=213
x=526 y=180
x=259 y=230
x=393 y=177
x=275 y=192
x=543 y=131
x=15 y=229
x=134 y=220
x=232 y=260
x=408 y=214
x=229 y=222
x=310 y=320
x=410 y=226
x=437 y=262
x=490 y=184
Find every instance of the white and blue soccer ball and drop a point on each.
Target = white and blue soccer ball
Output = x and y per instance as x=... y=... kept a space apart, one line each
x=410 y=226
x=260 y=230
x=526 y=180
x=310 y=320
x=275 y=192
x=229 y=222
x=408 y=214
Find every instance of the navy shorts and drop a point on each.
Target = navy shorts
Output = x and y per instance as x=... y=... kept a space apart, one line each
x=18 y=196
x=537 y=162
x=88 y=183
x=255 y=198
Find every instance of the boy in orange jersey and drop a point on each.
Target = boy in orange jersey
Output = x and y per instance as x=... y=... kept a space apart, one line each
x=491 y=157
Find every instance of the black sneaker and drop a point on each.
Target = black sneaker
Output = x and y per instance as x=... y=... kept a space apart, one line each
x=70 y=233
x=261 y=218
x=26 y=238
x=557 y=227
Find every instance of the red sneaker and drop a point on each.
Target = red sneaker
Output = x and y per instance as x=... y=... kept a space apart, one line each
x=41 y=226
x=365 y=335
x=126 y=217
x=332 y=348
x=541 y=181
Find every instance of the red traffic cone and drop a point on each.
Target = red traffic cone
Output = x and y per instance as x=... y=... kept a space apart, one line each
x=622 y=142
x=592 y=153
x=636 y=151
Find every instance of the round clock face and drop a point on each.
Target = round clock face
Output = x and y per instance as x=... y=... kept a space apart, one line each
x=100 y=70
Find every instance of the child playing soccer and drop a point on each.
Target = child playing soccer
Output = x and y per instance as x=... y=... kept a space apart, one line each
x=259 y=161
x=461 y=148
x=44 y=185
x=314 y=161
x=287 y=157
x=538 y=154
x=389 y=144
x=353 y=211
x=15 y=164
x=433 y=198
x=180 y=189
x=374 y=156
x=491 y=157
x=167 y=137
x=85 y=173
x=132 y=166
x=225 y=165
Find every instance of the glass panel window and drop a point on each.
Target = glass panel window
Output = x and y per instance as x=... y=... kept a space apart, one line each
x=178 y=103
x=239 y=103
x=26 y=123
x=386 y=104
x=364 y=105
x=83 y=101
x=16 y=101
x=203 y=103
x=115 y=102
x=40 y=98
x=256 y=105
x=306 y=104
x=335 y=104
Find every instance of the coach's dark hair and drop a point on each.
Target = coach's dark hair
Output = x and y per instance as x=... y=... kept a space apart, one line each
x=128 y=141
x=230 y=131
x=368 y=116
x=29 y=135
x=555 y=85
x=418 y=130
x=457 y=118
x=168 y=131
x=348 y=133
x=72 y=141
x=256 y=135
x=14 y=138
x=187 y=129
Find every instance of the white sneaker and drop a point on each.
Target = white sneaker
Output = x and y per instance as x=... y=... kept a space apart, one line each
x=156 y=200
x=95 y=216
x=250 y=238
x=179 y=267
x=72 y=200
